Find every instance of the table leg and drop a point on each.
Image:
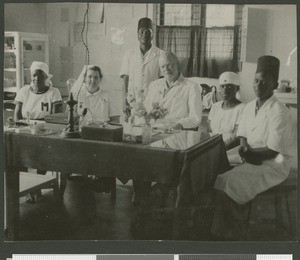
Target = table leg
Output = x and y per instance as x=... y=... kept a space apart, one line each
x=12 y=203
x=113 y=189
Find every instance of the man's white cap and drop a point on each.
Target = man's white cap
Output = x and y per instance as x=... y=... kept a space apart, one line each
x=229 y=77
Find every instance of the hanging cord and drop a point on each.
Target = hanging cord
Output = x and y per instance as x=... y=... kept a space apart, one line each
x=85 y=24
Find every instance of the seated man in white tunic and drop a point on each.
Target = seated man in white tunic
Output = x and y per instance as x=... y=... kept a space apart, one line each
x=180 y=96
x=182 y=99
x=265 y=138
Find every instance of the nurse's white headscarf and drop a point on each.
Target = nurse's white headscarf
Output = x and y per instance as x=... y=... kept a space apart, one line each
x=37 y=65
x=81 y=80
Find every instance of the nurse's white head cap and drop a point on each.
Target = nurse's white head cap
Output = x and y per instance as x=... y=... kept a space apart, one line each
x=229 y=77
x=38 y=65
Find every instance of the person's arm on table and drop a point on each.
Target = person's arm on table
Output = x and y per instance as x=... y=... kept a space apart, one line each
x=18 y=111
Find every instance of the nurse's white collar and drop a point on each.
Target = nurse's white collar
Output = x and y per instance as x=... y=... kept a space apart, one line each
x=176 y=82
x=98 y=92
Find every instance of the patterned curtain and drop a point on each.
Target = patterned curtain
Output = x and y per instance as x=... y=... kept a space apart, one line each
x=177 y=40
x=202 y=52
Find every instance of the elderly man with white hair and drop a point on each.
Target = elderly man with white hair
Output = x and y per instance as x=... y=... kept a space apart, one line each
x=179 y=95
x=182 y=99
x=39 y=98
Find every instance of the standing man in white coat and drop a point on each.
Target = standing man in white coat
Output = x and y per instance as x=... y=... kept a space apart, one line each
x=265 y=133
x=140 y=65
x=179 y=95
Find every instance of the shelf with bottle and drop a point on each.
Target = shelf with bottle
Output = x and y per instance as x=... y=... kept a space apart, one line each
x=10 y=50
x=10 y=89
x=10 y=60
x=35 y=51
x=9 y=43
x=10 y=69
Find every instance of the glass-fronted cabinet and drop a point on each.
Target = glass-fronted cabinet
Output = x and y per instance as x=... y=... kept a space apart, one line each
x=20 y=50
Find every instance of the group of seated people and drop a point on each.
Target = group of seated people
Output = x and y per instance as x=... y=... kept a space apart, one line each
x=260 y=130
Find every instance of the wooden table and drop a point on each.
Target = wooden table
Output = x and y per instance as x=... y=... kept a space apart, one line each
x=170 y=159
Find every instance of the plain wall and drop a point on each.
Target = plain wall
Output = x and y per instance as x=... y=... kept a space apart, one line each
x=281 y=39
x=29 y=17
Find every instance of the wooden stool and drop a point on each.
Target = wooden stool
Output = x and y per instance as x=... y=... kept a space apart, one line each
x=281 y=193
x=30 y=182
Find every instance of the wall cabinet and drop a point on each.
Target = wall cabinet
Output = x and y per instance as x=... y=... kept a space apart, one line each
x=20 y=50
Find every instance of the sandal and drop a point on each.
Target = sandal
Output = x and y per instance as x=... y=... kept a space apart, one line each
x=34 y=197
x=30 y=198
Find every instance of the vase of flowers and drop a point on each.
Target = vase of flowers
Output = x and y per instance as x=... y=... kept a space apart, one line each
x=149 y=117
x=146 y=133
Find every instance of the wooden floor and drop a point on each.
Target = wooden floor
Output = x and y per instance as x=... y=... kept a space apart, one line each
x=86 y=215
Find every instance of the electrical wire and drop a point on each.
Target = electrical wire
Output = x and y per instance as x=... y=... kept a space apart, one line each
x=85 y=25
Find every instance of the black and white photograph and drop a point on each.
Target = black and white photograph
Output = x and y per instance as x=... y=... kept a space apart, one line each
x=150 y=121
x=152 y=257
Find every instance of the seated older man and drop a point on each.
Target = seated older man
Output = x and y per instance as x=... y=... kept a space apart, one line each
x=180 y=96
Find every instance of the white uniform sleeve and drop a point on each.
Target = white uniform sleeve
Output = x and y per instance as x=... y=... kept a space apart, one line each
x=21 y=96
x=242 y=128
x=239 y=114
x=110 y=106
x=195 y=109
x=212 y=112
x=279 y=132
x=125 y=64
x=56 y=95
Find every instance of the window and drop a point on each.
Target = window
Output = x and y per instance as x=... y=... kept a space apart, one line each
x=219 y=15
x=205 y=37
x=177 y=14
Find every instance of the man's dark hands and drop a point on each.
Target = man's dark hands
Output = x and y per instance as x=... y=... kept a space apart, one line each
x=248 y=155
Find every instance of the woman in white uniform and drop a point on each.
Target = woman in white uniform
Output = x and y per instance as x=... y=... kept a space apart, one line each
x=36 y=101
x=94 y=103
x=39 y=98
x=265 y=134
x=225 y=115
x=94 y=106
